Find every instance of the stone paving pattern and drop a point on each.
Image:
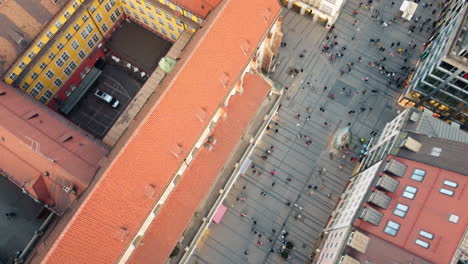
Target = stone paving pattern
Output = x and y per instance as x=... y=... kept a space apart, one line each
x=308 y=166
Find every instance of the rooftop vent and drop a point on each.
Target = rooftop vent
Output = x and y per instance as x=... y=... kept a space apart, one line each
x=436 y=152
x=177 y=150
x=245 y=46
x=358 y=241
x=18 y=38
x=414 y=117
x=371 y=215
x=396 y=168
x=224 y=79
x=412 y=144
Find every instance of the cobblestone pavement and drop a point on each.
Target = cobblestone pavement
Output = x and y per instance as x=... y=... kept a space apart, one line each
x=300 y=168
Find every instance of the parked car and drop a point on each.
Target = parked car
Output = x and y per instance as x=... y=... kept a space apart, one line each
x=107 y=98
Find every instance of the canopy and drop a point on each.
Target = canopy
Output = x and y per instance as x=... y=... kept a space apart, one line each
x=80 y=91
x=167 y=64
x=218 y=216
x=342 y=138
x=408 y=8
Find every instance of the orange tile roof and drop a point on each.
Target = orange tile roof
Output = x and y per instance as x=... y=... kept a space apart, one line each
x=33 y=144
x=161 y=237
x=200 y=8
x=114 y=210
x=428 y=211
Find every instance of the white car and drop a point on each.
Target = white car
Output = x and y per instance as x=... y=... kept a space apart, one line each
x=107 y=98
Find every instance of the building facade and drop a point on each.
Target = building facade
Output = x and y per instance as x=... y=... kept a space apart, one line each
x=440 y=81
x=64 y=52
x=322 y=11
x=395 y=134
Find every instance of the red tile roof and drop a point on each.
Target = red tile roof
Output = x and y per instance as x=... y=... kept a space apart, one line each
x=164 y=232
x=200 y=8
x=114 y=210
x=428 y=211
x=42 y=152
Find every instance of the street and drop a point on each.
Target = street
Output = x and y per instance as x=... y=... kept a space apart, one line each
x=297 y=176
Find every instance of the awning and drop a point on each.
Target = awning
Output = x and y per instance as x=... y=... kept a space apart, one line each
x=358 y=241
x=371 y=215
x=388 y=183
x=380 y=199
x=396 y=168
x=218 y=216
x=80 y=91
x=408 y=8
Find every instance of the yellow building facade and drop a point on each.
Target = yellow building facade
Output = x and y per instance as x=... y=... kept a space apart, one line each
x=76 y=31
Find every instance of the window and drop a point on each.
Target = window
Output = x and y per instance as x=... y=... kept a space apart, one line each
x=39 y=86
x=65 y=56
x=75 y=45
x=117 y=12
x=147 y=6
x=171 y=27
x=68 y=36
x=25 y=86
x=49 y=34
x=126 y=10
x=72 y=65
x=163 y=30
x=34 y=92
x=98 y=17
x=76 y=27
x=173 y=36
x=154 y=25
x=51 y=55
x=75 y=5
x=58 y=24
x=12 y=76
x=42 y=66
x=89 y=28
x=108 y=7
x=436 y=152
x=58 y=82
x=104 y=27
x=34 y=76
x=132 y=5
x=446 y=191
x=82 y=54
x=426 y=234
x=189 y=15
x=31 y=54
x=180 y=31
x=178 y=22
x=450 y=184
x=158 y=11
x=22 y=65
x=400 y=210
x=168 y=17
x=161 y=21
x=410 y=192
x=392 y=228
x=90 y=43
x=84 y=34
x=67 y=14
x=136 y=15
x=421 y=243
x=141 y=10
x=67 y=71
x=418 y=175
x=49 y=74
x=40 y=44
x=112 y=17
x=151 y=15
x=145 y=20
x=59 y=62
x=60 y=46
x=95 y=38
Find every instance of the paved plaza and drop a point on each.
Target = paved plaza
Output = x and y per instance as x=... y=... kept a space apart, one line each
x=309 y=178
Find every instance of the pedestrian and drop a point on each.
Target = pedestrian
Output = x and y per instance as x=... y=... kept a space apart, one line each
x=273 y=172
x=355 y=13
x=393 y=3
x=273 y=184
x=325 y=88
x=298 y=115
x=243 y=215
x=354 y=23
x=246 y=252
x=288 y=179
x=326 y=123
x=393 y=44
x=366 y=79
x=398 y=43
